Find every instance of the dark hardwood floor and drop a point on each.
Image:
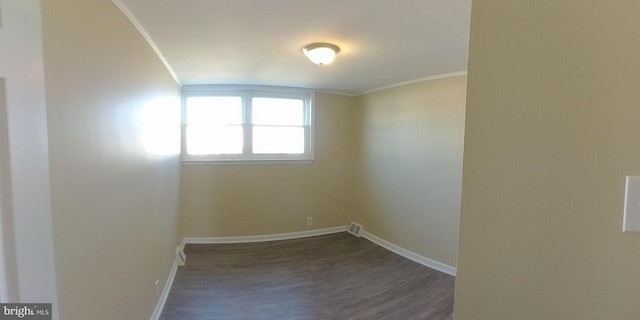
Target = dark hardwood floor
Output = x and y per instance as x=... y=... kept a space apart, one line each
x=336 y=276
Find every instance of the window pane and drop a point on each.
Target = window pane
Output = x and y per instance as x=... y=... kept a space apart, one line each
x=278 y=111
x=203 y=140
x=214 y=110
x=288 y=140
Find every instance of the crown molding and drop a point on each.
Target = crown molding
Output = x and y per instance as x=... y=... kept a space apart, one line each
x=125 y=10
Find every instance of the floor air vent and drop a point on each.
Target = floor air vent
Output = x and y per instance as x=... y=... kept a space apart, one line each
x=355 y=229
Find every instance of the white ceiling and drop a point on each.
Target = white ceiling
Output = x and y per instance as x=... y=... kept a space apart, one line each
x=383 y=42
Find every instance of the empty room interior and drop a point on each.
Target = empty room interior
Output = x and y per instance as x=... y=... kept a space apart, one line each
x=489 y=146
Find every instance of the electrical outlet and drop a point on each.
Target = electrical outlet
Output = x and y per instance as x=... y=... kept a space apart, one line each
x=309 y=221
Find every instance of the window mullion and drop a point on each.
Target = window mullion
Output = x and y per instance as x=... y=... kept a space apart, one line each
x=308 y=135
x=247 y=125
x=275 y=139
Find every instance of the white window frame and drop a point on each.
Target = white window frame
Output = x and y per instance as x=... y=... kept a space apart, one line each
x=247 y=93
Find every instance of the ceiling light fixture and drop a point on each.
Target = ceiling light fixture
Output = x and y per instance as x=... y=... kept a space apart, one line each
x=321 y=53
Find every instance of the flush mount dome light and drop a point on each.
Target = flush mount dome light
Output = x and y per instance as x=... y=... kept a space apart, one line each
x=321 y=53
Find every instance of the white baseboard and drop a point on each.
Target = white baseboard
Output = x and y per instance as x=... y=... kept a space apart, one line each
x=295 y=235
x=262 y=238
x=318 y=232
x=165 y=292
x=204 y=240
x=433 y=264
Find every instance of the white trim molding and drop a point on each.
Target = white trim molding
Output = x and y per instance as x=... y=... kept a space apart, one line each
x=403 y=83
x=430 y=263
x=433 y=264
x=165 y=292
x=211 y=240
x=127 y=13
x=263 y=238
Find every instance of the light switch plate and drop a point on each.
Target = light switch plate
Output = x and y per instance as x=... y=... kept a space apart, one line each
x=631 y=221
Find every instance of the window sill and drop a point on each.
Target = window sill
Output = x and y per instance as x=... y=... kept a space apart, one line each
x=208 y=162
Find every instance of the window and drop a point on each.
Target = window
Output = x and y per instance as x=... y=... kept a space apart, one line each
x=246 y=124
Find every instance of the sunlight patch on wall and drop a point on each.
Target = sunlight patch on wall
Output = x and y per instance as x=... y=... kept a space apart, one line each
x=160 y=126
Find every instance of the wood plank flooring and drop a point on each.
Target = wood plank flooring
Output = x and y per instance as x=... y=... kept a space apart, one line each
x=336 y=276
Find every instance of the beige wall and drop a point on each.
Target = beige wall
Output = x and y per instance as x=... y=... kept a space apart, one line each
x=256 y=199
x=551 y=132
x=410 y=165
x=404 y=185
x=115 y=204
